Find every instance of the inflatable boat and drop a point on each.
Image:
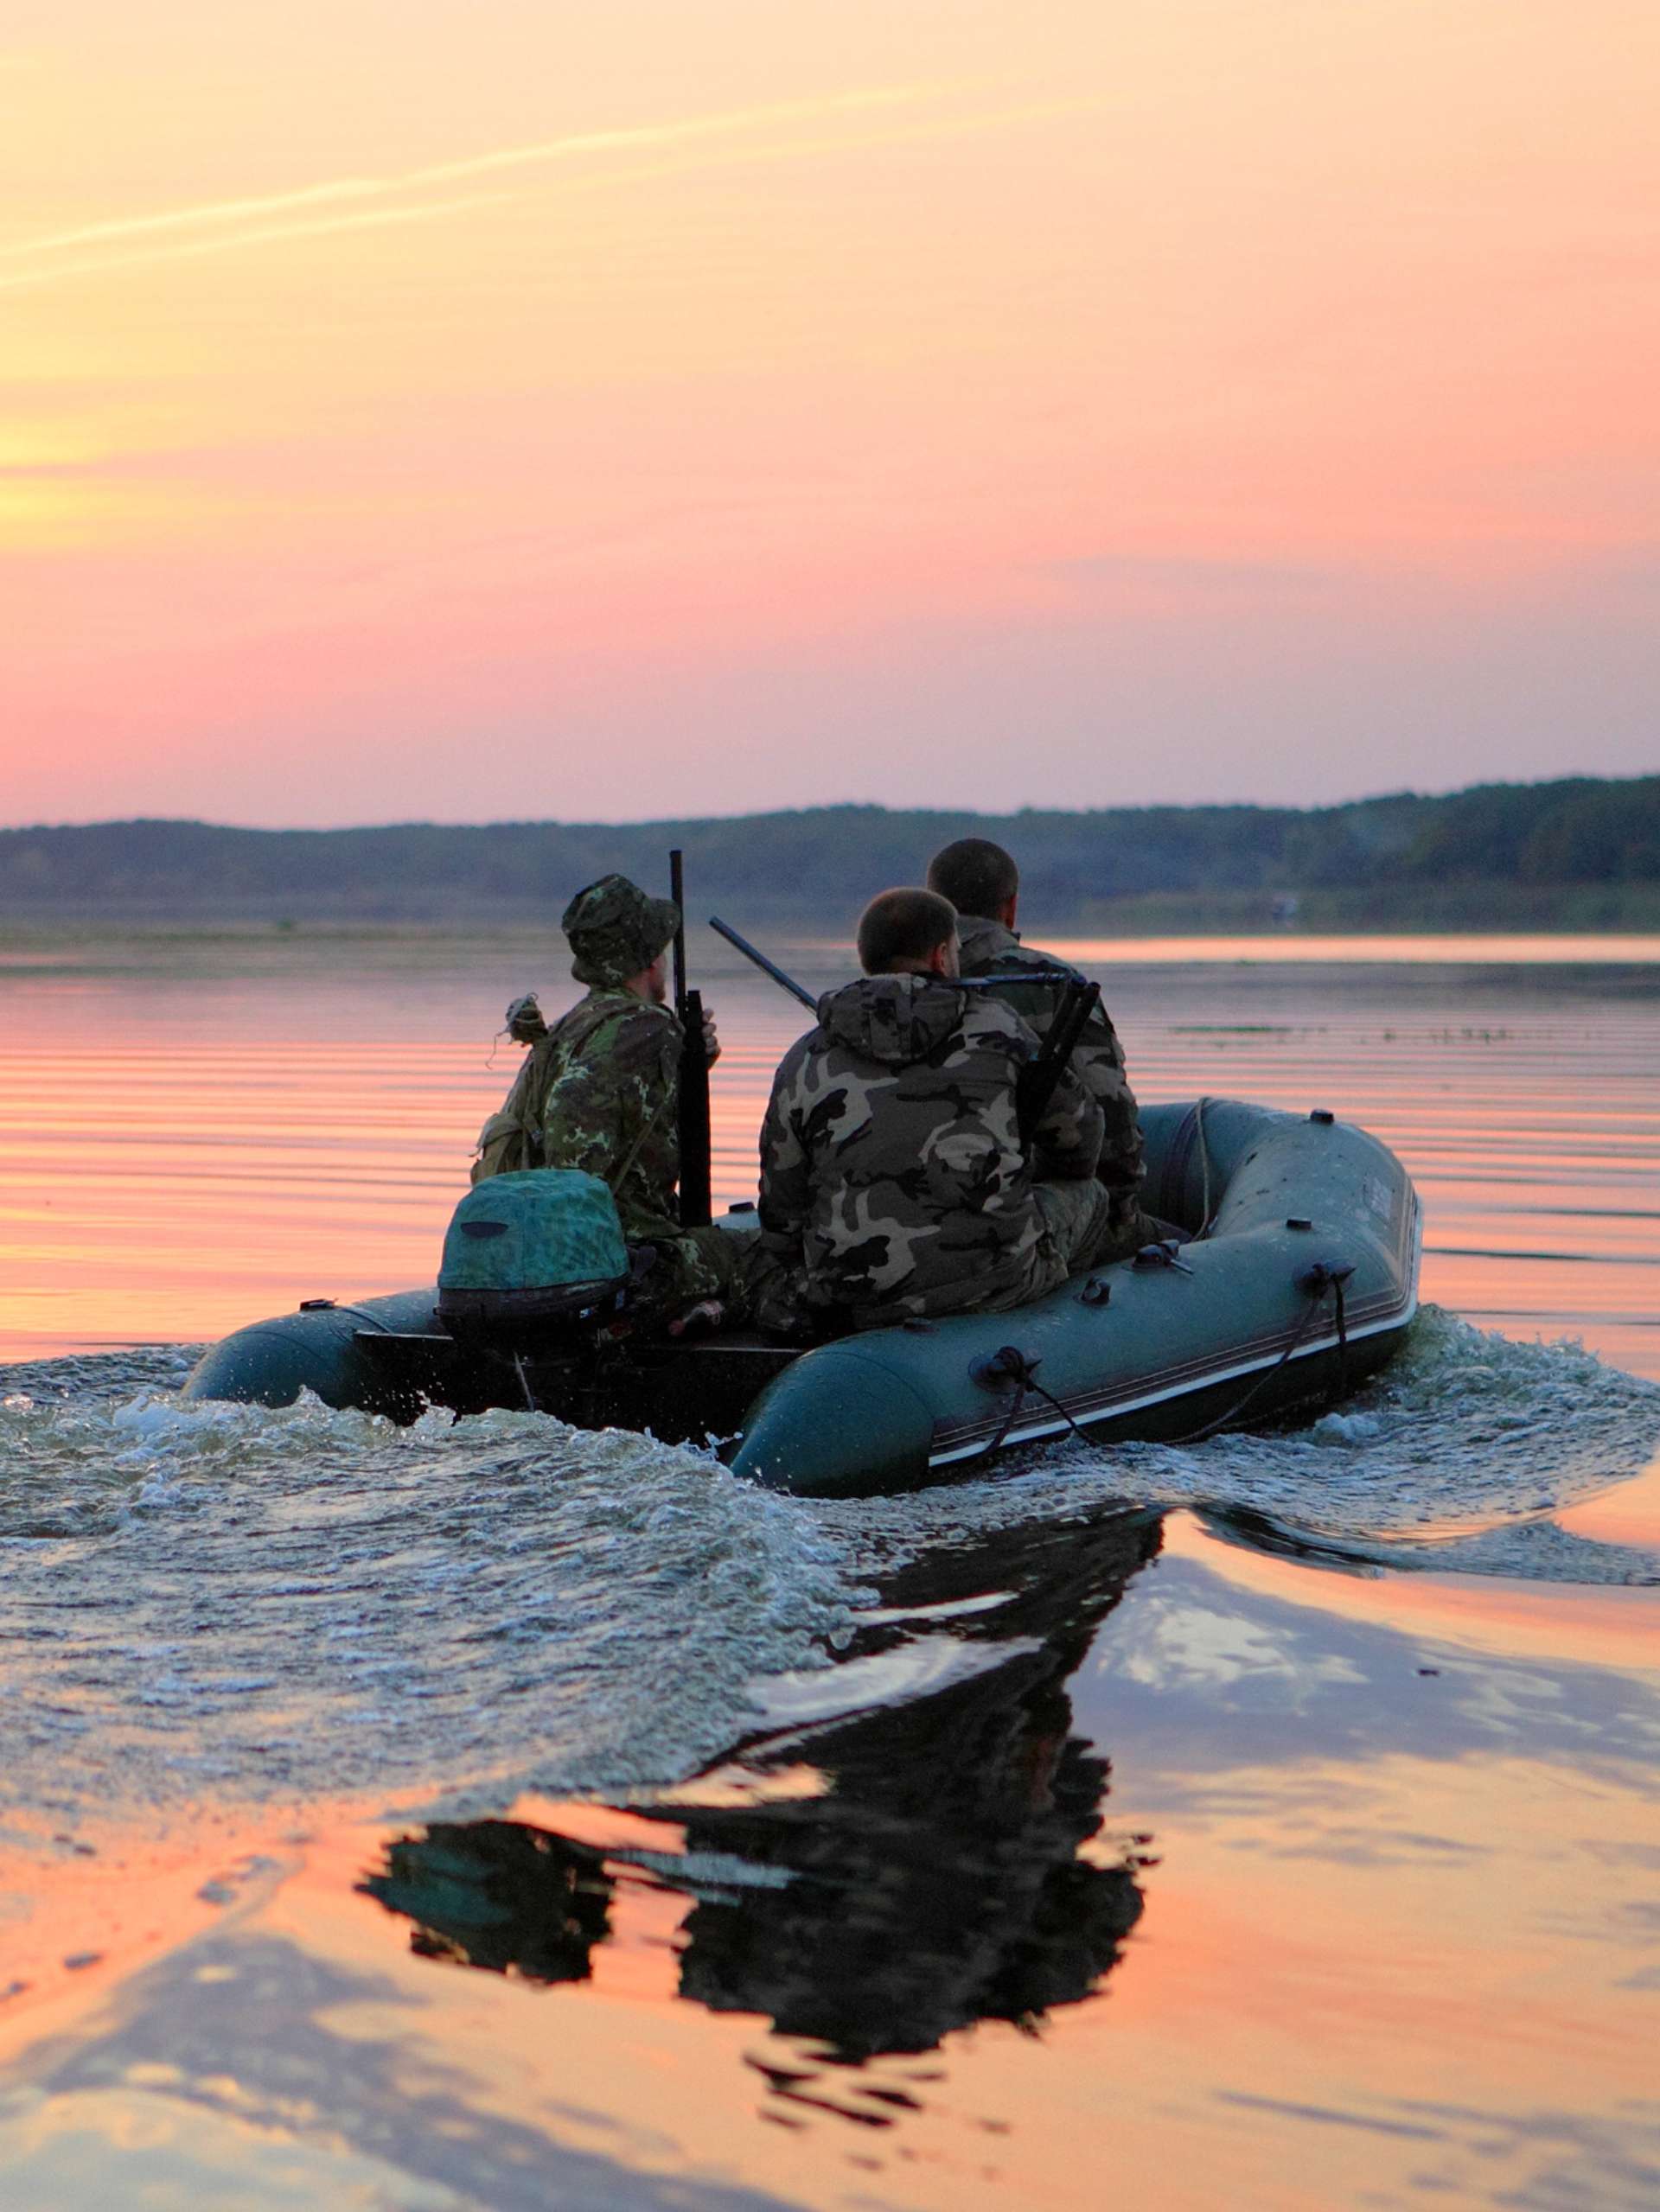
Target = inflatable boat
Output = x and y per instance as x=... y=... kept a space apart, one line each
x=1300 y=1280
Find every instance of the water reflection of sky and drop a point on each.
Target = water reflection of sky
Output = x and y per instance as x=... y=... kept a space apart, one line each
x=1291 y=1760
x=1394 y=1936
x=1199 y=1678
x=1212 y=1872
x=323 y=1097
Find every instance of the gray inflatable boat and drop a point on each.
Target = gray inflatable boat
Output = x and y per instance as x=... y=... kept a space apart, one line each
x=1300 y=1279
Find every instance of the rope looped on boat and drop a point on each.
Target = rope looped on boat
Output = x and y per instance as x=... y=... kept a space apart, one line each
x=1010 y=1365
x=1314 y=1281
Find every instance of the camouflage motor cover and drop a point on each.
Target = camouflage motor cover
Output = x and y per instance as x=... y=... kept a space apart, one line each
x=989 y=949
x=552 y=1229
x=893 y=1180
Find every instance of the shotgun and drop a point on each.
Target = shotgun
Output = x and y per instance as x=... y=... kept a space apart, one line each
x=766 y=967
x=695 y=1211
x=1036 y=1084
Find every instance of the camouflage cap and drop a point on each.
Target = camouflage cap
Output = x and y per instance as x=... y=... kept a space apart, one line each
x=616 y=930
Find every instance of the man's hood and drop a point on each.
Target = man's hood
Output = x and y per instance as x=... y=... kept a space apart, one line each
x=983 y=940
x=895 y=1019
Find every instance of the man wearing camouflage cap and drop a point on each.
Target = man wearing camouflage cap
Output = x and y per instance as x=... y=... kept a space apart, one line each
x=600 y=1090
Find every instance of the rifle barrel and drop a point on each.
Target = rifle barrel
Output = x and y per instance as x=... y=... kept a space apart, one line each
x=694 y=1071
x=695 y=1207
x=766 y=967
x=677 y=892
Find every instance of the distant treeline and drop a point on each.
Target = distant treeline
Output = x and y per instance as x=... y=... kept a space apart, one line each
x=1581 y=852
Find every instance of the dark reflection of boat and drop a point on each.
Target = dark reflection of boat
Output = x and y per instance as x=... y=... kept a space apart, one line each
x=932 y=1878
x=500 y=1894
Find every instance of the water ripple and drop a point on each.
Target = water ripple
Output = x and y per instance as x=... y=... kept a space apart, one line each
x=226 y=1601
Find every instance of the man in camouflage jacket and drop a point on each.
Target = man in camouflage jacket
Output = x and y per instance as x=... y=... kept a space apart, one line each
x=894 y=1178
x=600 y=1090
x=983 y=883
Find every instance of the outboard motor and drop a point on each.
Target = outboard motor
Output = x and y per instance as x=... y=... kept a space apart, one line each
x=534 y=1260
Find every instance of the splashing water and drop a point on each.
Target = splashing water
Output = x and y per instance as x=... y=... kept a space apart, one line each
x=215 y=1600
x=222 y=1599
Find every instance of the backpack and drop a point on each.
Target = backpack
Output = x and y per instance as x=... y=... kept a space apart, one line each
x=507 y=1144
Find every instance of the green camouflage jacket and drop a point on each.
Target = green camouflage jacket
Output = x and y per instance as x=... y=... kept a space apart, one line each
x=893 y=1180
x=600 y=1091
x=989 y=949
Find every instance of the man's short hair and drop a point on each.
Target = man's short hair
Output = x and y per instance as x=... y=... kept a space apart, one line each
x=903 y=925
x=975 y=875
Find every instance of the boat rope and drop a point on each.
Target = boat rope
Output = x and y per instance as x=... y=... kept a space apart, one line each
x=531 y=1406
x=1204 y=1169
x=1012 y=1365
x=1340 y=1387
x=1314 y=1281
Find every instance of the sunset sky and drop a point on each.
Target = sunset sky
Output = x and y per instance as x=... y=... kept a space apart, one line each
x=419 y=409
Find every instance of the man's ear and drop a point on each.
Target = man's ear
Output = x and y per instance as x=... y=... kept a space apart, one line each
x=1010 y=908
x=939 y=961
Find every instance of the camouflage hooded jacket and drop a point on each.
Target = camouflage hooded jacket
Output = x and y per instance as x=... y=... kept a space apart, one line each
x=989 y=949
x=893 y=1180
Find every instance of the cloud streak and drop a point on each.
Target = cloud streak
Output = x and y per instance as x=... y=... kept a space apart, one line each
x=260 y=235
x=222 y=218
x=1204 y=571
x=574 y=146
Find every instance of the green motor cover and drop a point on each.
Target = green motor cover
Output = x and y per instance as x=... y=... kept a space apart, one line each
x=541 y=1244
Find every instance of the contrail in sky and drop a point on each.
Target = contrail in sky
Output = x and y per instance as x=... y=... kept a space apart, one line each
x=218 y=216
x=546 y=149
x=265 y=233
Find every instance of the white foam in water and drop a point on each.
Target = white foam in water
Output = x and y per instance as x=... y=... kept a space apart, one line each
x=299 y=1603
x=221 y=1600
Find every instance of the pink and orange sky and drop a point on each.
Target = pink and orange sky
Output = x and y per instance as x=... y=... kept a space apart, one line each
x=465 y=409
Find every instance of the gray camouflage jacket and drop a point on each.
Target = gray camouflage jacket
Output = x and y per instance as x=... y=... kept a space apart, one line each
x=989 y=949
x=893 y=1181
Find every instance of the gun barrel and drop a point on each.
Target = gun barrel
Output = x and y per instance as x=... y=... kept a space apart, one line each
x=677 y=892
x=766 y=967
x=695 y=1163
x=694 y=1071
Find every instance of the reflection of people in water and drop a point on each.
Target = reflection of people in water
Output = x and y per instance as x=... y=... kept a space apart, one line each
x=927 y=1894
x=935 y=1881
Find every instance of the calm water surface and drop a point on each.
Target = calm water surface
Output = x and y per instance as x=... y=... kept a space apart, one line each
x=194 y=1133
x=497 y=1815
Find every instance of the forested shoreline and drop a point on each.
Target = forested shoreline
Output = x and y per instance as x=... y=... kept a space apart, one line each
x=1578 y=853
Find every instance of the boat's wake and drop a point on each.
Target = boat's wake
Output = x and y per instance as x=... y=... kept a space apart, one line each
x=202 y=1600
x=217 y=1600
